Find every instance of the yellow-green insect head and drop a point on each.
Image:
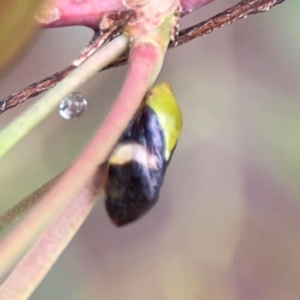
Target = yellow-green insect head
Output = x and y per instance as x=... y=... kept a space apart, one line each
x=164 y=104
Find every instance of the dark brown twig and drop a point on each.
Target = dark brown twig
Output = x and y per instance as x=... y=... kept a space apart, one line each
x=113 y=25
x=240 y=11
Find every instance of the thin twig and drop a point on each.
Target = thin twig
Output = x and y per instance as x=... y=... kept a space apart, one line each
x=239 y=11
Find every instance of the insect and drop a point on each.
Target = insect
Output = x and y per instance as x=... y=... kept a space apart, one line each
x=137 y=166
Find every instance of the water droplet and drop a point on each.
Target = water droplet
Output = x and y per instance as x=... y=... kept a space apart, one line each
x=73 y=106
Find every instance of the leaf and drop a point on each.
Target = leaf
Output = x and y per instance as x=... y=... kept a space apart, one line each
x=17 y=26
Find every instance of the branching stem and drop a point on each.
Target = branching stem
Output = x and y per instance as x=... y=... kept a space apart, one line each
x=13 y=245
x=239 y=11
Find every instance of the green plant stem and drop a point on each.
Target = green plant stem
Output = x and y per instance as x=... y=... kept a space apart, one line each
x=26 y=204
x=15 y=243
x=145 y=63
x=22 y=125
x=35 y=264
x=43 y=221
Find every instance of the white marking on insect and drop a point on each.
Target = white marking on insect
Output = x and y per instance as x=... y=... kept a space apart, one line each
x=132 y=151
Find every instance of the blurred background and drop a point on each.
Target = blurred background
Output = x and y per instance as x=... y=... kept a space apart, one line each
x=227 y=224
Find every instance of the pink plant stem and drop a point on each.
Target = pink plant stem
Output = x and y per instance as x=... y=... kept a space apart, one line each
x=37 y=262
x=18 y=240
x=59 y=13
x=191 y=5
x=144 y=65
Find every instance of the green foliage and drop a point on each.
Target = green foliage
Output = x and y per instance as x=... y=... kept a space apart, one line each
x=17 y=25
